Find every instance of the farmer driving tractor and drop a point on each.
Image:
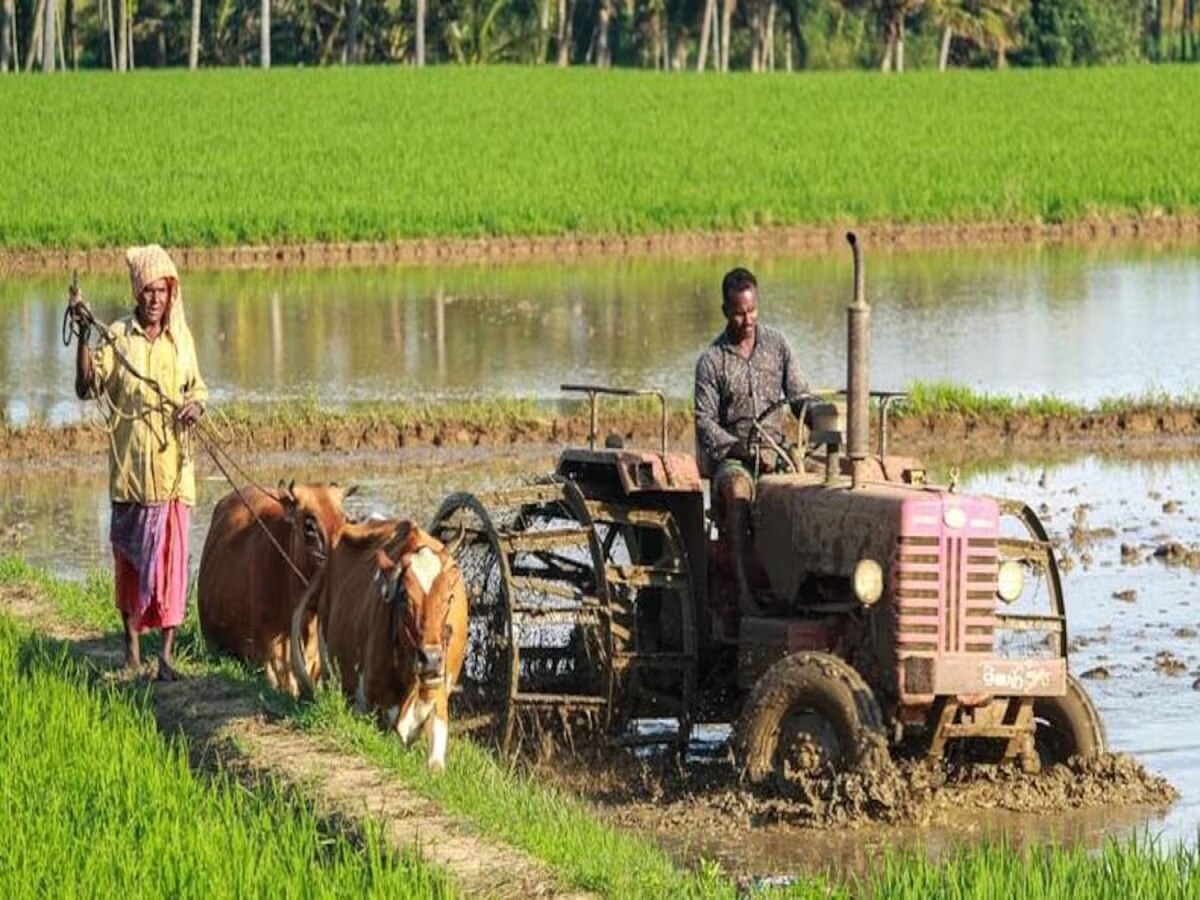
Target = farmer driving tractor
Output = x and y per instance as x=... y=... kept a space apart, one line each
x=744 y=370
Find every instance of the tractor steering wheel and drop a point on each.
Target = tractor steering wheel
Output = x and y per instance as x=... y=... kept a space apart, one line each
x=760 y=439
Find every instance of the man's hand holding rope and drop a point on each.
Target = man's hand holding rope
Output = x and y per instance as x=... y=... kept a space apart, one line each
x=77 y=318
x=188 y=414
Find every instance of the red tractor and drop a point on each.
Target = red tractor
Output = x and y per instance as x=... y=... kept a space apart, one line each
x=883 y=608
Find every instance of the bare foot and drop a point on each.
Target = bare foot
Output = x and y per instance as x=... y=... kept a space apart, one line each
x=167 y=672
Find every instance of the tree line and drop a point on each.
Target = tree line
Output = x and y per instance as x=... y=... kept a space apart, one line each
x=670 y=35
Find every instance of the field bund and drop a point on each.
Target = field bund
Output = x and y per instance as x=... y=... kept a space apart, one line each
x=481 y=160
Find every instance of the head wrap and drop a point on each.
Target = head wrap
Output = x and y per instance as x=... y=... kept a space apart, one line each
x=147 y=265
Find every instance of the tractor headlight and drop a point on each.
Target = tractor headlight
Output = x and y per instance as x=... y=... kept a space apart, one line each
x=868 y=581
x=1010 y=581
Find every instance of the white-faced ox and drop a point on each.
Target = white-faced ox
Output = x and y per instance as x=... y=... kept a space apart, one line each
x=392 y=614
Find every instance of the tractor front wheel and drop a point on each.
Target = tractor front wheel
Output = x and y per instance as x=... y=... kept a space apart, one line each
x=810 y=713
x=1067 y=726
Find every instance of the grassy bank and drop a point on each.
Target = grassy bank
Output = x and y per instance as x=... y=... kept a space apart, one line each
x=376 y=154
x=590 y=854
x=937 y=418
x=96 y=803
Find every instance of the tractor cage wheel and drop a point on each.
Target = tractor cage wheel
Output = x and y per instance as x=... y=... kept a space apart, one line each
x=553 y=630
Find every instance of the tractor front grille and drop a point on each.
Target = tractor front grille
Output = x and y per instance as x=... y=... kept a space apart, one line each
x=945 y=594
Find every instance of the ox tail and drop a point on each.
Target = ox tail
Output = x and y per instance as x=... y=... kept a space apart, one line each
x=306 y=606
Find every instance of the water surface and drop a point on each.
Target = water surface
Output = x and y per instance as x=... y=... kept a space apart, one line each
x=1082 y=324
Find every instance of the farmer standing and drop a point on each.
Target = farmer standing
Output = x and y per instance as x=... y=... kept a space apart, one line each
x=145 y=375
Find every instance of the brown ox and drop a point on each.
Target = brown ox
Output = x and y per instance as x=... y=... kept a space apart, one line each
x=247 y=588
x=392 y=611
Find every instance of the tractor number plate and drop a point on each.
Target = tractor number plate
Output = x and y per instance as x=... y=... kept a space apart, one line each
x=968 y=674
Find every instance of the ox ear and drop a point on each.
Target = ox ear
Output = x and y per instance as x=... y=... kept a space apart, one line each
x=383 y=561
x=403 y=535
x=348 y=492
x=287 y=499
x=384 y=568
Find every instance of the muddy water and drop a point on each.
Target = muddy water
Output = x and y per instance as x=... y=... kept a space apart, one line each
x=1134 y=617
x=57 y=514
x=1078 y=323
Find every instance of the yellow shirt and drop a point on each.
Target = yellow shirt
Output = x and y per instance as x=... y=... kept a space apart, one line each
x=146 y=462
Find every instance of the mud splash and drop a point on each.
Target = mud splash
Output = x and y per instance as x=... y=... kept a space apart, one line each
x=662 y=795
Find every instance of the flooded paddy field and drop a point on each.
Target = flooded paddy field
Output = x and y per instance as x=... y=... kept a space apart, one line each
x=1129 y=535
x=1081 y=324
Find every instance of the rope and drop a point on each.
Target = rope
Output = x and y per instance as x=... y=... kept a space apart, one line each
x=78 y=322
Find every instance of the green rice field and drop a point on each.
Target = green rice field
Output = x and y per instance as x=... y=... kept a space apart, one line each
x=94 y=802
x=232 y=157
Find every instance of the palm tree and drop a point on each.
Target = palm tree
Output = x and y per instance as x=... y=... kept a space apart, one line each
x=264 y=37
x=604 y=14
x=989 y=24
x=727 y=8
x=707 y=20
x=565 y=35
x=194 y=37
x=49 y=30
x=891 y=14
x=420 y=25
x=122 y=35
x=8 y=30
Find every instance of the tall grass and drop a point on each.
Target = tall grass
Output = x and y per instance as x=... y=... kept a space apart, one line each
x=937 y=398
x=1133 y=869
x=925 y=398
x=380 y=153
x=93 y=802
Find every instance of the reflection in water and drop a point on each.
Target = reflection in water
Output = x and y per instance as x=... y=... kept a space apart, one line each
x=1147 y=711
x=1077 y=323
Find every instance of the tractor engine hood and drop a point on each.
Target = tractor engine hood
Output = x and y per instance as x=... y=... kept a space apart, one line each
x=803 y=527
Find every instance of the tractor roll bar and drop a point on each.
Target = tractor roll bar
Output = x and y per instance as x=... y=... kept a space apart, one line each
x=593 y=390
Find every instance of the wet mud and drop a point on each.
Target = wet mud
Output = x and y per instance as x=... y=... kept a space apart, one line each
x=946 y=438
x=813 y=239
x=702 y=809
x=902 y=792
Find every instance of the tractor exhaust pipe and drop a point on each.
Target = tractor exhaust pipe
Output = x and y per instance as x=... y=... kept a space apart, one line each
x=858 y=320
